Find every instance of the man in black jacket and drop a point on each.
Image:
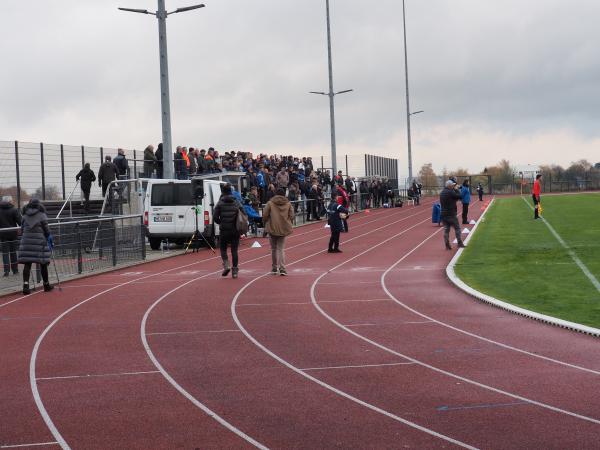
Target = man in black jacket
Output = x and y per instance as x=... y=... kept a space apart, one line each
x=448 y=198
x=87 y=177
x=225 y=214
x=108 y=172
x=10 y=217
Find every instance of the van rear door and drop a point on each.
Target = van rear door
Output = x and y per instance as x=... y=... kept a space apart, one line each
x=212 y=190
x=185 y=222
x=161 y=212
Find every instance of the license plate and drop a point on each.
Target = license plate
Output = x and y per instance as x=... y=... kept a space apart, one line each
x=163 y=218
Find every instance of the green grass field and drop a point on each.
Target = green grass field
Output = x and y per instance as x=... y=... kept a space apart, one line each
x=518 y=260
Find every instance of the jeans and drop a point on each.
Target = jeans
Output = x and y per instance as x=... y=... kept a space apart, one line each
x=451 y=222
x=234 y=242
x=277 y=251
x=465 y=213
x=9 y=255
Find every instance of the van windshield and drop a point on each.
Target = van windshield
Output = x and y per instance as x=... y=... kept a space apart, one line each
x=172 y=195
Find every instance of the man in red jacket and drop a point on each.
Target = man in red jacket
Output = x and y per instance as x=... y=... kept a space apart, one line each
x=537 y=190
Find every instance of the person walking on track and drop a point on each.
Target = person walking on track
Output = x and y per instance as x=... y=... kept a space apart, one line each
x=36 y=243
x=448 y=198
x=480 y=191
x=537 y=191
x=278 y=218
x=87 y=177
x=10 y=217
x=225 y=214
x=465 y=193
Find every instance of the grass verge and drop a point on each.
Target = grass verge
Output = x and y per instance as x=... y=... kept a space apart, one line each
x=517 y=259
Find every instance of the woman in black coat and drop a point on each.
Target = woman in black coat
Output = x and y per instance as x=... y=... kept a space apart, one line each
x=87 y=177
x=36 y=243
x=225 y=214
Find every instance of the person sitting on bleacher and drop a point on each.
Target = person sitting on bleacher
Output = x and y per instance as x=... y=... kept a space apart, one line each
x=254 y=218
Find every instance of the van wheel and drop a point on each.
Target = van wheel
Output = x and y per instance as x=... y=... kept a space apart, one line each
x=155 y=243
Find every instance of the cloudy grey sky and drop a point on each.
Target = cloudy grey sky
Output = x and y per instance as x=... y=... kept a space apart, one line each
x=510 y=79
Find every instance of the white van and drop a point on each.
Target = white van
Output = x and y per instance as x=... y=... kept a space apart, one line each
x=170 y=210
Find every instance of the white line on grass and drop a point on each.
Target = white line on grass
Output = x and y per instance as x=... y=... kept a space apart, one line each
x=570 y=251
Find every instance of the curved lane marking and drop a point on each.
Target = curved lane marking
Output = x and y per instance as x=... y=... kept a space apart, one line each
x=421 y=363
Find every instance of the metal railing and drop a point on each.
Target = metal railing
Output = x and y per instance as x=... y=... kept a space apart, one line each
x=85 y=246
x=69 y=201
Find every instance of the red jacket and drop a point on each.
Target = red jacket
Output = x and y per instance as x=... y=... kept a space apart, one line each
x=537 y=189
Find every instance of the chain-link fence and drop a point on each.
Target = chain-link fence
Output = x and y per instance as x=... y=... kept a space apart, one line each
x=84 y=246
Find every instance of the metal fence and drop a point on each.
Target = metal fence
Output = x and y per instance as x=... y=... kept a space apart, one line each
x=86 y=246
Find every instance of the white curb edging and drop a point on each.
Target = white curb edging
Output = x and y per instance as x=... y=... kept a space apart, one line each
x=507 y=306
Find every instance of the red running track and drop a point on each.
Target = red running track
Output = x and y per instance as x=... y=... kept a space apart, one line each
x=371 y=348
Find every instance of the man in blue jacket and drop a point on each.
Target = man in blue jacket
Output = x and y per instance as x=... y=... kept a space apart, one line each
x=337 y=214
x=465 y=194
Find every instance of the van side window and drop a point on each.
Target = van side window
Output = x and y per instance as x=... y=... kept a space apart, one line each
x=162 y=195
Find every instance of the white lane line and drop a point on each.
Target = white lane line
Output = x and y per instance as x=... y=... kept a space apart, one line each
x=122 y=374
x=357 y=301
x=421 y=363
x=32 y=362
x=385 y=324
x=275 y=304
x=169 y=333
x=37 y=444
x=180 y=388
x=360 y=366
x=570 y=251
x=2 y=305
x=468 y=333
x=322 y=383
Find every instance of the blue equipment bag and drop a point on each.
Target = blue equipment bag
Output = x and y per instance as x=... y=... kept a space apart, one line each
x=436 y=215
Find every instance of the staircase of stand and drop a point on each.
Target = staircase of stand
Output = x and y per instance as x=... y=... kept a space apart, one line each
x=53 y=207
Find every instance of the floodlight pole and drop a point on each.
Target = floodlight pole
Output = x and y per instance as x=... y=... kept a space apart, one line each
x=165 y=101
x=331 y=94
x=161 y=15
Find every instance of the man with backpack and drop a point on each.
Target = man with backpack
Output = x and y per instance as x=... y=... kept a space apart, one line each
x=226 y=215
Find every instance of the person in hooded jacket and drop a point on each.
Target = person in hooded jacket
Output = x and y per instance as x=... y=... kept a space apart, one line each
x=36 y=243
x=465 y=193
x=87 y=177
x=225 y=214
x=149 y=161
x=10 y=217
x=278 y=217
x=107 y=173
x=448 y=198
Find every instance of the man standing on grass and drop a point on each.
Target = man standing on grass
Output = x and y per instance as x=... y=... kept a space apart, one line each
x=537 y=190
x=448 y=198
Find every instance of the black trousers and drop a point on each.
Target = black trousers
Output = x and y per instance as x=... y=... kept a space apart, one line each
x=334 y=241
x=27 y=271
x=536 y=202
x=86 y=201
x=9 y=255
x=465 y=213
x=233 y=241
x=451 y=222
x=481 y=196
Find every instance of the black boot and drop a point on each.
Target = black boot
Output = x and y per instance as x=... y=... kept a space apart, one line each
x=226 y=268
x=48 y=287
x=448 y=246
x=26 y=290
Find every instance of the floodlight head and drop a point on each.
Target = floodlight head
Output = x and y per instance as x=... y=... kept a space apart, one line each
x=187 y=8
x=141 y=11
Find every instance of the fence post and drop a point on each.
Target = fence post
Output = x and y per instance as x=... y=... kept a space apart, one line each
x=43 y=171
x=82 y=156
x=101 y=155
x=347 y=165
x=62 y=170
x=79 y=250
x=143 y=237
x=18 y=174
x=135 y=173
x=114 y=243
